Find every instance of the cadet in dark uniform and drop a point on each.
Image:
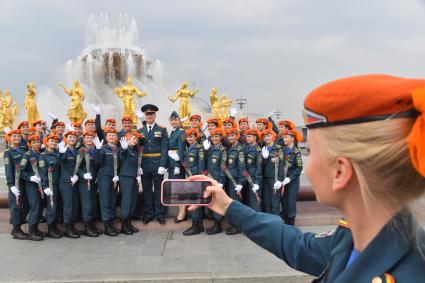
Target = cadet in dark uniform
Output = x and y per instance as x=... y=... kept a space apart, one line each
x=32 y=186
x=389 y=136
x=128 y=173
x=90 y=126
x=262 y=124
x=284 y=125
x=68 y=182
x=154 y=164
x=243 y=124
x=196 y=123
x=79 y=132
x=216 y=159
x=194 y=160
x=110 y=123
x=24 y=128
x=58 y=129
x=176 y=149
x=39 y=131
x=50 y=174
x=127 y=126
x=236 y=169
x=254 y=170
x=273 y=172
x=107 y=159
x=291 y=183
x=12 y=159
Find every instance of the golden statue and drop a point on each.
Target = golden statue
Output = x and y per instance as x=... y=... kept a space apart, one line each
x=126 y=93
x=76 y=111
x=15 y=112
x=6 y=113
x=215 y=104
x=184 y=93
x=30 y=104
x=225 y=103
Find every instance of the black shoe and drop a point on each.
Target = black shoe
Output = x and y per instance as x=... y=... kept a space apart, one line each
x=161 y=220
x=115 y=229
x=124 y=227
x=147 y=220
x=88 y=231
x=196 y=228
x=69 y=232
x=43 y=219
x=176 y=220
x=76 y=231
x=232 y=231
x=132 y=228
x=108 y=230
x=39 y=232
x=33 y=235
x=52 y=232
x=18 y=234
x=290 y=221
x=55 y=227
x=215 y=229
x=94 y=228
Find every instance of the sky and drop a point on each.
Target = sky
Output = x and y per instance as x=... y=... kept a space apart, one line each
x=272 y=52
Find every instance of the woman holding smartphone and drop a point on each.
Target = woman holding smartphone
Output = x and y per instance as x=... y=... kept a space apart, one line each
x=368 y=162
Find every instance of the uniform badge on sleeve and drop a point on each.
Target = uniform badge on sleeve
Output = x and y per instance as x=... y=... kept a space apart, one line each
x=6 y=160
x=41 y=163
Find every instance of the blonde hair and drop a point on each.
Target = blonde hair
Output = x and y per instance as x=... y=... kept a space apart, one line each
x=380 y=158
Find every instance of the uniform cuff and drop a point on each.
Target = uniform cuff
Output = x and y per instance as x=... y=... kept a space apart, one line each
x=237 y=213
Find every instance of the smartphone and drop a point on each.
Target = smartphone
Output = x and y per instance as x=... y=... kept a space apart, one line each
x=183 y=192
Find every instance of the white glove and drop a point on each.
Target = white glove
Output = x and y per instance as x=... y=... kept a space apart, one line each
x=98 y=143
x=124 y=143
x=88 y=176
x=184 y=119
x=140 y=115
x=139 y=179
x=115 y=179
x=48 y=192
x=96 y=108
x=265 y=152
x=43 y=146
x=69 y=127
x=238 y=188
x=221 y=185
x=172 y=154
x=206 y=144
x=176 y=171
x=255 y=188
x=62 y=147
x=204 y=126
x=6 y=130
x=286 y=181
x=277 y=185
x=35 y=179
x=161 y=170
x=233 y=112
x=140 y=171
x=51 y=115
x=74 y=179
x=271 y=113
x=15 y=191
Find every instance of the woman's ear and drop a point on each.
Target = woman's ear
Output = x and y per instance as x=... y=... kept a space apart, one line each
x=342 y=174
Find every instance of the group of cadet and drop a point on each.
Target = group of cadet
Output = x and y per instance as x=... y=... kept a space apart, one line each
x=73 y=174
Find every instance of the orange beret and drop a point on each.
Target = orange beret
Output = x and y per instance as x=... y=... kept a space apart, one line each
x=14 y=132
x=268 y=132
x=262 y=120
x=195 y=117
x=134 y=134
x=243 y=119
x=22 y=124
x=232 y=131
x=368 y=98
x=89 y=121
x=110 y=131
x=88 y=134
x=127 y=118
x=76 y=124
x=33 y=138
x=212 y=121
x=297 y=135
x=111 y=120
x=252 y=132
x=52 y=137
x=31 y=129
x=192 y=131
x=217 y=132
x=288 y=123
x=59 y=124
x=37 y=122
x=72 y=133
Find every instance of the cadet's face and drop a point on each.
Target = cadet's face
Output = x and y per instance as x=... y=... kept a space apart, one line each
x=38 y=128
x=71 y=140
x=243 y=126
x=261 y=126
x=127 y=125
x=60 y=129
x=52 y=143
x=228 y=126
x=90 y=127
x=194 y=123
x=268 y=139
x=211 y=126
x=288 y=139
x=150 y=117
x=110 y=125
x=35 y=145
x=190 y=139
x=88 y=140
x=282 y=128
x=216 y=139
x=250 y=139
x=78 y=130
x=15 y=139
x=317 y=170
x=232 y=138
x=175 y=123
x=24 y=129
x=133 y=141
x=111 y=137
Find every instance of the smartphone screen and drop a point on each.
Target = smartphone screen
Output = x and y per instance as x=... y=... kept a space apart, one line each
x=183 y=192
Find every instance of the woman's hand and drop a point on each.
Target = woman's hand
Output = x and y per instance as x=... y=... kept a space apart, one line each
x=220 y=200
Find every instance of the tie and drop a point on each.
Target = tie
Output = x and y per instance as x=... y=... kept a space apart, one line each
x=149 y=129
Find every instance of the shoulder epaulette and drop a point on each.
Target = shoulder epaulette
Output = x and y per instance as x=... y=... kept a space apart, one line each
x=28 y=153
x=296 y=149
x=43 y=153
x=258 y=148
x=222 y=147
x=161 y=126
x=343 y=223
x=6 y=149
